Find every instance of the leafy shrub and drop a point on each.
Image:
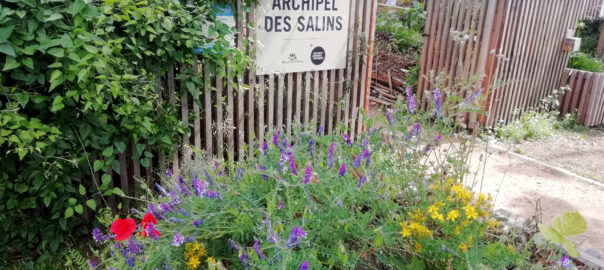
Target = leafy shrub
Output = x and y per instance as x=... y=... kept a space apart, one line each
x=531 y=125
x=78 y=81
x=585 y=62
x=310 y=201
x=405 y=38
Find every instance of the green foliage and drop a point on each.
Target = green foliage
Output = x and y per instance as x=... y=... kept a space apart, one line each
x=404 y=37
x=75 y=260
x=589 y=32
x=585 y=62
x=78 y=81
x=531 y=125
x=563 y=226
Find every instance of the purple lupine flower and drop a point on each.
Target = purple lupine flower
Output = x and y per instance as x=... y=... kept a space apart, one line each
x=178 y=240
x=565 y=262
x=264 y=148
x=284 y=143
x=213 y=194
x=439 y=105
x=169 y=173
x=347 y=139
x=311 y=148
x=234 y=245
x=184 y=189
x=362 y=181
x=472 y=97
x=292 y=164
x=295 y=235
x=162 y=190
x=282 y=160
x=152 y=210
x=257 y=249
x=281 y=205
x=208 y=178
x=411 y=100
x=438 y=138
x=367 y=157
x=320 y=132
x=92 y=263
x=389 y=117
x=261 y=168
x=307 y=173
x=357 y=161
x=197 y=222
x=131 y=262
x=199 y=187
x=276 y=138
x=134 y=247
x=99 y=237
x=243 y=258
x=330 y=161
x=303 y=266
x=427 y=148
x=343 y=170
x=271 y=236
x=365 y=142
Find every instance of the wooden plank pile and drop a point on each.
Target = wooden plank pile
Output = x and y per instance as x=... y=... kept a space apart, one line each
x=385 y=89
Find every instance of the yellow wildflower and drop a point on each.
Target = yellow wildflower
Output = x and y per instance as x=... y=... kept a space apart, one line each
x=457 y=230
x=462 y=193
x=420 y=230
x=433 y=211
x=405 y=230
x=193 y=263
x=211 y=260
x=417 y=216
x=453 y=215
x=470 y=212
x=492 y=223
x=463 y=247
x=418 y=247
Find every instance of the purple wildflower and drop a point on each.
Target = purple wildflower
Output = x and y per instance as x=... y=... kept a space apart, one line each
x=472 y=97
x=360 y=157
x=239 y=174
x=365 y=142
x=362 y=181
x=303 y=266
x=271 y=236
x=281 y=205
x=197 y=222
x=257 y=249
x=367 y=157
x=292 y=164
x=162 y=190
x=243 y=258
x=389 y=117
x=264 y=147
x=343 y=170
x=320 y=132
x=307 y=173
x=276 y=138
x=411 y=100
x=261 y=168
x=199 y=187
x=212 y=194
x=208 y=178
x=134 y=247
x=178 y=240
x=438 y=138
x=565 y=262
x=98 y=236
x=234 y=245
x=330 y=161
x=152 y=210
x=176 y=220
x=152 y=231
x=131 y=262
x=311 y=148
x=169 y=173
x=347 y=139
x=295 y=235
x=92 y=263
x=437 y=99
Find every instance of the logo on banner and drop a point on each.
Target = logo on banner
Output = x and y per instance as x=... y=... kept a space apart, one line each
x=292 y=59
x=317 y=56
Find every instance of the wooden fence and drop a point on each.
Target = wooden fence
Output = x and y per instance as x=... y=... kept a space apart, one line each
x=586 y=97
x=230 y=123
x=515 y=46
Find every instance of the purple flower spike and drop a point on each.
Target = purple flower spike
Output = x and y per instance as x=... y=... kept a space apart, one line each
x=295 y=235
x=362 y=181
x=92 y=264
x=152 y=231
x=330 y=161
x=292 y=164
x=438 y=138
x=243 y=258
x=169 y=173
x=365 y=142
x=565 y=262
x=439 y=105
x=389 y=117
x=99 y=237
x=276 y=138
x=178 y=240
x=343 y=170
x=307 y=173
x=320 y=132
x=311 y=147
x=303 y=266
x=198 y=222
x=258 y=252
x=472 y=97
x=347 y=139
x=264 y=148
x=411 y=100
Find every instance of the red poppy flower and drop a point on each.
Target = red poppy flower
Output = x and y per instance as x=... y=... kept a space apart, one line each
x=123 y=228
x=147 y=219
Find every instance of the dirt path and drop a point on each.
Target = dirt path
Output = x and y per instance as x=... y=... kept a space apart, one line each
x=517 y=185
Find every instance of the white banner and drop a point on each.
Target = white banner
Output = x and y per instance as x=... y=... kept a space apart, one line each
x=301 y=35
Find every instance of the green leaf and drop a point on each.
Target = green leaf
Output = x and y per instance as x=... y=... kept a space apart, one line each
x=120 y=146
x=11 y=63
x=145 y=162
x=108 y=151
x=7 y=49
x=98 y=165
x=77 y=7
x=28 y=62
x=66 y=41
x=82 y=74
x=91 y=49
x=79 y=209
x=570 y=248
x=68 y=212
x=5 y=32
x=72 y=201
x=91 y=204
x=118 y=191
x=569 y=224
x=47 y=201
x=57 y=104
x=551 y=234
x=56 y=52
x=106 y=179
x=53 y=17
x=55 y=74
x=84 y=130
x=82 y=190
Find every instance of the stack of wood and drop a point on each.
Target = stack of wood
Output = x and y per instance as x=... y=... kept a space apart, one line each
x=385 y=89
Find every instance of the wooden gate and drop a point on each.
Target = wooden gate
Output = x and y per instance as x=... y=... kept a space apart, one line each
x=516 y=43
x=586 y=97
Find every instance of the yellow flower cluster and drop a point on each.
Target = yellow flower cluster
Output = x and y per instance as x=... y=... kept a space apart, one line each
x=414 y=229
x=434 y=209
x=194 y=252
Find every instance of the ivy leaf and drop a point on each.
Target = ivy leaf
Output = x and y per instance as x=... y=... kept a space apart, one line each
x=10 y=63
x=98 y=164
x=79 y=209
x=28 y=62
x=82 y=190
x=108 y=151
x=91 y=204
x=118 y=191
x=7 y=49
x=72 y=201
x=106 y=179
x=53 y=17
x=84 y=130
x=56 y=52
x=5 y=32
x=57 y=104
x=47 y=201
x=68 y=212
x=145 y=162
x=77 y=7
x=121 y=147
x=66 y=41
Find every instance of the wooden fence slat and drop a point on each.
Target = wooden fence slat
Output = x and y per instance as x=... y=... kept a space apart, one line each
x=280 y=90
x=271 y=102
x=324 y=100
x=316 y=95
x=220 y=126
x=290 y=92
x=260 y=98
x=230 y=114
x=208 y=109
x=184 y=109
x=172 y=98
x=307 y=78
x=331 y=101
x=299 y=91
x=196 y=110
